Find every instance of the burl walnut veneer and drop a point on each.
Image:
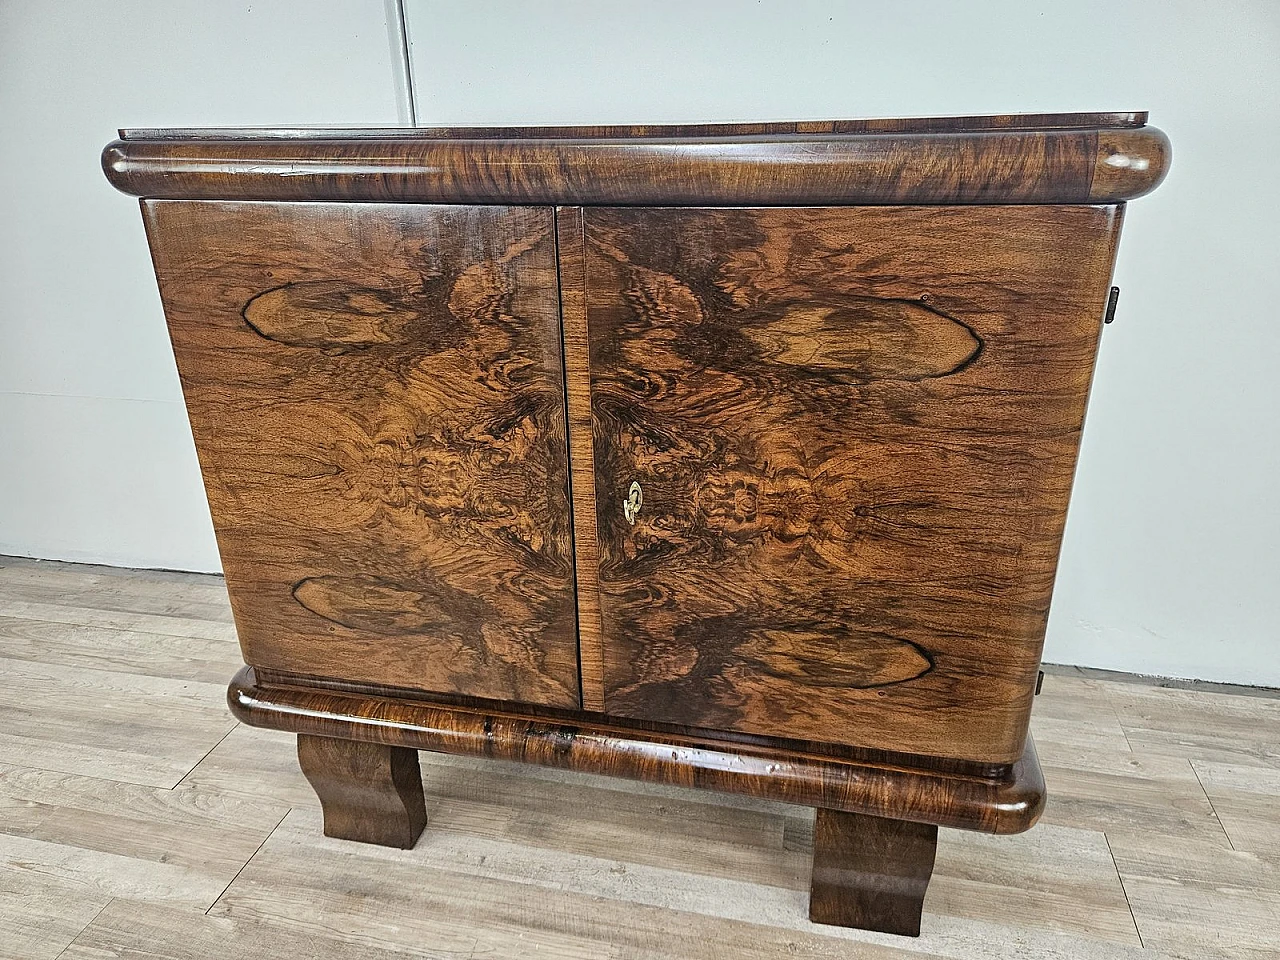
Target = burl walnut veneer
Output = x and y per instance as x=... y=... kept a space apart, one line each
x=729 y=456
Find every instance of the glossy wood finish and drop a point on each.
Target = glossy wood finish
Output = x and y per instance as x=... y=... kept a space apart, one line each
x=369 y=792
x=659 y=729
x=869 y=872
x=988 y=162
x=917 y=792
x=377 y=399
x=1125 y=158
x=855 y=432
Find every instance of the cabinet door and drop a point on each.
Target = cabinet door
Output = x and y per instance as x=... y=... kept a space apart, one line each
x=376 y=394
x=833 y=450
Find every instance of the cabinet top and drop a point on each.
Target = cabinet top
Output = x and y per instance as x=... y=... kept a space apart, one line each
x=1008 y=121
x=1019 y=158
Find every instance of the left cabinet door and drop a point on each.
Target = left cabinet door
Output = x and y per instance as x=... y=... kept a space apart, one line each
x=377 y=398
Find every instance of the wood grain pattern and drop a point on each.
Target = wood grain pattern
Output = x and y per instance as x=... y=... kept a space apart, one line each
x=967 y=166
x=575 y=717
x=369 y=792
x=869 y=872
x=577 y=359
x=855 y=432
x=376 y=395
x=920 y=792
x=1124 y=163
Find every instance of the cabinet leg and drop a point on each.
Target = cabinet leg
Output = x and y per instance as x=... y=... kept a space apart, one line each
x=368 y=792
x=869 y=872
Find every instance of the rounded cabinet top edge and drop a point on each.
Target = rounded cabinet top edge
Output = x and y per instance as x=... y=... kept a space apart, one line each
x=1012 y=164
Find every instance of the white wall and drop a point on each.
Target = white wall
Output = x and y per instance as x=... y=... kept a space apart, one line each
x=1169 y=563
x=96 y=459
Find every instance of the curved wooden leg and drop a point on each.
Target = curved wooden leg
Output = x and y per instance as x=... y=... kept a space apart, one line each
x=368 y=792
x=869 y=872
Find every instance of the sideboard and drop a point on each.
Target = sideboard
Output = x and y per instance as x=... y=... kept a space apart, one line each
x=727 y=456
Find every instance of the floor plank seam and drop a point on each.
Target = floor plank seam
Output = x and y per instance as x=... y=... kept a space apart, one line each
x=8 y=613
x=1115 y=712
x=80 y=933
x=195 y=765
x=1212 y=808
x=247 y=862
x=1123 y=732
x=1120 y=877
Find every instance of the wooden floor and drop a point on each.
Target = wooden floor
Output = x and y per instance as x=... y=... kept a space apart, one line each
x=137 y=819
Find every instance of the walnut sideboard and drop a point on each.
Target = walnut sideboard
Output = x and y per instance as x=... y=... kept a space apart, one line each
x=728 y=456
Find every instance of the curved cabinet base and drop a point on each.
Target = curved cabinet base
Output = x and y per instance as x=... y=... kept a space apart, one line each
x=876 y=823
x=923 y=793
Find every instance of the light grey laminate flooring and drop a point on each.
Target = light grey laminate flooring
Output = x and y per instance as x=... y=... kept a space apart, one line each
x=139 y=820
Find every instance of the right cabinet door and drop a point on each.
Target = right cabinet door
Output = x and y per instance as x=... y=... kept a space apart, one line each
x=833 y=449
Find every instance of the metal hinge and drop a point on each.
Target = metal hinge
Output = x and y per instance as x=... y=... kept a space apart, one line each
x=1039 y=682
x=1112 y=299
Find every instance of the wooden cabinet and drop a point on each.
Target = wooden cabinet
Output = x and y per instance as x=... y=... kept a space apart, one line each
x=733 y=457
